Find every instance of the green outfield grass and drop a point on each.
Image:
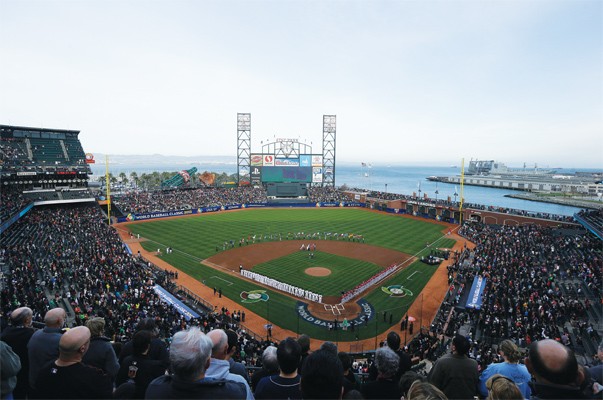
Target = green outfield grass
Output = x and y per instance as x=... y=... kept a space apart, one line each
x=345 y=272
x=195 y=238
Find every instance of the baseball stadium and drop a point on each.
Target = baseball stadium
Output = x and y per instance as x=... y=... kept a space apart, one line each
x=284 y=252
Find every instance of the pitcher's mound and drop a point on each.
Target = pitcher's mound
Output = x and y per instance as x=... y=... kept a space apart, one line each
x=318 y=271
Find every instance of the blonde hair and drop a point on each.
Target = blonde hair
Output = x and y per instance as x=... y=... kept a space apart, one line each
x=511 y=351
x=502 y=388
x=425 y=391
x=96 y=326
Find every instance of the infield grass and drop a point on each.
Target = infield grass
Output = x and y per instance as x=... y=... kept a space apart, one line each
x=195 y=238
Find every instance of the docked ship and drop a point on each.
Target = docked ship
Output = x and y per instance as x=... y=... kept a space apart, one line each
x=491 y=167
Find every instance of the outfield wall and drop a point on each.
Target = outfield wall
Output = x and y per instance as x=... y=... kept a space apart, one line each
x=142 y=217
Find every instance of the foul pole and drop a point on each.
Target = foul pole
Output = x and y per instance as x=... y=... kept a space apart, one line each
x=462 y=180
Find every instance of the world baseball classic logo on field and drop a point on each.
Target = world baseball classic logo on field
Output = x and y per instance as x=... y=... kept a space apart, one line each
x=254 y=296
x=130 y=217
x=396 y=291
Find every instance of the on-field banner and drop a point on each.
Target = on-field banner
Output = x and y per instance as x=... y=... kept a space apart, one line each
x=178 y=305
x=140 y=217
x=256 y=175
x=316 y=174
x=268 y=160
x=475 y=295
x=256 y=159
x=317 y=161
x=305 y=161
x=287 y=162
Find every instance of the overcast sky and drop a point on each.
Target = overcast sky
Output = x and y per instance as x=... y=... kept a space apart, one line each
x=409 y=81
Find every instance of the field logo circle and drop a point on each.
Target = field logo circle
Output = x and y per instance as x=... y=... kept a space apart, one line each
x=130 y=217
x=396 y=291
x=254 y=296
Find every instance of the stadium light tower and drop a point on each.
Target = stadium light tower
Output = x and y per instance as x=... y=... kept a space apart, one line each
x=329 y=128
x=243 y=145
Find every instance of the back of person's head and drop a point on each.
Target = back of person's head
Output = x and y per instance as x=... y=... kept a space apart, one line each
x=96 y=326
x=553 y=362
x=501 y=388
x=511 y=351
x=462 y=345
x=322 y=376
x=233 y=338
x=425 y=391
x=146 y=324
x=117 y=347
x=141 y=342
x=386 y=361
x=304 y=342
x=330 y=347
x=288 y=355
x=55 y=318
x=20 y=316
x=346 y=360
x=393 y=340
x=220 y=342
x=190 y=351
x=407 y=379
x=269 y=360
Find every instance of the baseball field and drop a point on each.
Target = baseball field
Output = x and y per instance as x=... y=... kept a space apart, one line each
x=347 y=247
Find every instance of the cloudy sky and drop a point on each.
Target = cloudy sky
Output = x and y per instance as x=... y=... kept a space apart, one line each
x=409 y=81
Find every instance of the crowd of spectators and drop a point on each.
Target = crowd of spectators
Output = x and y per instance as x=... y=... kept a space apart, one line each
x=327 y=194
x=173 y=200
x=384 y=196
x=11 y=153
x=11 y=202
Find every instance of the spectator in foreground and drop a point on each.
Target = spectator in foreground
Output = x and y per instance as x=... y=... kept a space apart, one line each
x=235 y=367
x=269 y=367
x=597 y=371
x=420 y=390
x=509 y=368
x=69 y=378
x=220 y=368
x=456 y=374
x=407 y=380
x=286 y=384
x=190 y=353
x=43 y=346
x=9 y=368
x=322 y=376
x=501 y=387
x=555 y=371
x=386 y=386
x=137 y=371
x=393 y=342
x=17 y=337
x=158 y=351
x=100 y=354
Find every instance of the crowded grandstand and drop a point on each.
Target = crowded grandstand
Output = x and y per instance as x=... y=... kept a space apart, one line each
x=58 y=251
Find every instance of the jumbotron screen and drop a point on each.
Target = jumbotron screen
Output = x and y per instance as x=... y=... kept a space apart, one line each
x=286 y=174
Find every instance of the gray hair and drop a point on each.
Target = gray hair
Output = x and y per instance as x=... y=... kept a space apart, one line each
x=386 y=361
x=600 y=346
x=189 y=353
x=220 y=344
x=269 y=360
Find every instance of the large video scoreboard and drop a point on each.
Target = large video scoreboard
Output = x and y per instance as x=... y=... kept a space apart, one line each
x=269 y=168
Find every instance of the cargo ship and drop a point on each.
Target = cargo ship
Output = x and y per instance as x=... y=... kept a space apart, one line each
x=491 y=167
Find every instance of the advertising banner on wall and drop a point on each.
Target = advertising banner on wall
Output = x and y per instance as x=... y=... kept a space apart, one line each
x=256 y=175
x=317 y=161
x=316 y=175
x=256 y=159
x=305 y=161
x=268 y=160
x=328 y=173
x=286 y=162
